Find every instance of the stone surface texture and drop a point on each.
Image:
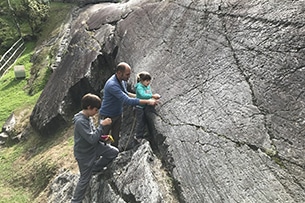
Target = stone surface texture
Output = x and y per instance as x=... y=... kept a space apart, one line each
x=231 y=118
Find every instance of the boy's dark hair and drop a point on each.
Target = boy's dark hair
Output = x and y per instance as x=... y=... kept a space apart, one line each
x=91 y=100
x=142 y=76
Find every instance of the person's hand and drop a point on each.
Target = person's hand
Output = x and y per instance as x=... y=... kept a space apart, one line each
x=156 y=96
x=106 y=121
x=152 y=102
x=106 y=139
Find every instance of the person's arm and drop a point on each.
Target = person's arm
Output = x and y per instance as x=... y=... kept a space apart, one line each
x=156 y=96
x=151 y=102
x=132 y=95
x=84 y=130
x=104 y=122
x=118 y=93
x=143 y=92
x=146 y=98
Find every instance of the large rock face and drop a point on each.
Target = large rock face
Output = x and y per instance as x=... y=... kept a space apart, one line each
x=231 y=75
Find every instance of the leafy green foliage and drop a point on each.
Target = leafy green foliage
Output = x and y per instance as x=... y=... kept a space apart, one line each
x=25 y=18
x=34 y=12
x=8 y=27
x=7 y=35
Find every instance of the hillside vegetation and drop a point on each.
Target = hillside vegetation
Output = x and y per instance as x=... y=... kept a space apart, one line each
x=8 y=30
x=27 y=167
x=21 y=18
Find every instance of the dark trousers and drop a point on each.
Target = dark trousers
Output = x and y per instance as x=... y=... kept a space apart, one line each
x=141 y=122
x=113 y=129
x=105 y=154
x=145 y=119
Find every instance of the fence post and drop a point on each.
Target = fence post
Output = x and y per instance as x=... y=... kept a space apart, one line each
x=19 y=71
x=11 y=55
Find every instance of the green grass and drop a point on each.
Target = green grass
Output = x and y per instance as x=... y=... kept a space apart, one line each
x=14 y=98
x=12 y=91
x=25 y=167
x=8 y=193
x=26 y=173
x=14 y=196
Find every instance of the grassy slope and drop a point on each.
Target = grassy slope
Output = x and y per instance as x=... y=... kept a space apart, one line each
x=27 y=167
x=12 y=93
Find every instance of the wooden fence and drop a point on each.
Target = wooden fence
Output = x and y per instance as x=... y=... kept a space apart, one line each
x=11 y=55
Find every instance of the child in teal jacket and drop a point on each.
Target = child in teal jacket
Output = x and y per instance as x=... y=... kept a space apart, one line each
x=143 y=91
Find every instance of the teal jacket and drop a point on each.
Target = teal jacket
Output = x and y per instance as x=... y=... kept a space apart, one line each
x=143 y=92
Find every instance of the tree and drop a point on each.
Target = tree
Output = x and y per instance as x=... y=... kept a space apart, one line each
x=34 y=12
x=8 y=32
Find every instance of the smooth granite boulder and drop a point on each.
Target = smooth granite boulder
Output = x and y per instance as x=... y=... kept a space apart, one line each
x=230 y=126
